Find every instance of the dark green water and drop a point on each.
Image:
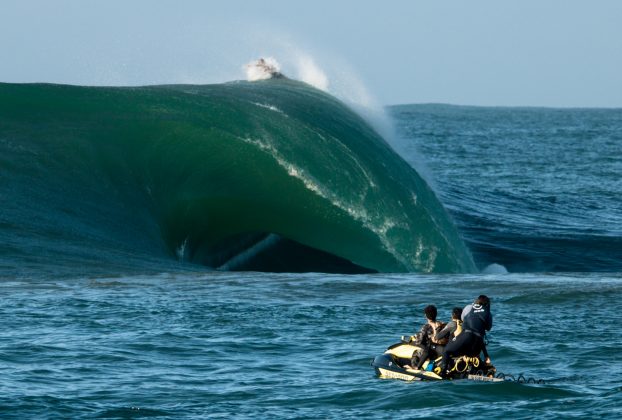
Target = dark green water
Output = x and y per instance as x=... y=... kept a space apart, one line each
x=267 y=176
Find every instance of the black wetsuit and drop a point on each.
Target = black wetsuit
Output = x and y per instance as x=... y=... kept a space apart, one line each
x=447 y=332
x=477 y=320
x=430 y=349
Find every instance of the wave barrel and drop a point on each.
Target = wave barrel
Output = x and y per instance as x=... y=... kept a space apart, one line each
x=272 y=175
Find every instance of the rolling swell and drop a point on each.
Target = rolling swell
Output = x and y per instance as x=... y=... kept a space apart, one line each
x=533 y=189
x=269 y=176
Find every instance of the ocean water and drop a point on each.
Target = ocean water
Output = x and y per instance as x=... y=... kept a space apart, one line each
x=210 y=345
x=272 y=175
x=121 y=216
x=534 y=189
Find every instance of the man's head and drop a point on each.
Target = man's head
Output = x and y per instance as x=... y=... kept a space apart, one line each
x=456 y=313
x=430 y=312
x=482 y=300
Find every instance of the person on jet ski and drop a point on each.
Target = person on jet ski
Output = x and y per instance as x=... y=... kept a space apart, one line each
x=477 y=319
x=432 y=347
x=453 y=327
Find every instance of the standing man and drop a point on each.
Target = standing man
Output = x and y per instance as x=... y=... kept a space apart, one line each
x=477 y=319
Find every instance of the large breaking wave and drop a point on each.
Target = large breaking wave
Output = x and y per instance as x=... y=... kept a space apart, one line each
x=273 y=175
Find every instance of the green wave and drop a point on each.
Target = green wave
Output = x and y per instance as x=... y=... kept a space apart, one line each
x=272 y=175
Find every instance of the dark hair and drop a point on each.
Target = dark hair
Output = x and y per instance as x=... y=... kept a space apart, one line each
x=483 y=300
x=430 y=312
x=456 y=313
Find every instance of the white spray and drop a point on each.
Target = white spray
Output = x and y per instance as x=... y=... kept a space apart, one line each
x=262 y=69
x=311 y=73
x=345 y=85
x=306 y=68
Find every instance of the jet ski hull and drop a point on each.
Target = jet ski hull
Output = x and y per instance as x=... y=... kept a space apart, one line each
x=395 y=363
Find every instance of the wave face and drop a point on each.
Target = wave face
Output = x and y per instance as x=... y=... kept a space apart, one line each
x=270 y=176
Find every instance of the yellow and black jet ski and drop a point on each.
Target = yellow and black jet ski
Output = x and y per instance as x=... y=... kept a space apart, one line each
x=395 y=363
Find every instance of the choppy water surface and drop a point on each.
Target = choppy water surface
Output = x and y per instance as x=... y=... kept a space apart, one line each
x=113 y=197
x=535 y=189
x=248 y=344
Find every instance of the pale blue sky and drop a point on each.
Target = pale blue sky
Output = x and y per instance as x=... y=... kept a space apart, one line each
x=493 y=52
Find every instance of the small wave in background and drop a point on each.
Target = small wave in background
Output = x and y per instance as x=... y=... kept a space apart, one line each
x=533 y=189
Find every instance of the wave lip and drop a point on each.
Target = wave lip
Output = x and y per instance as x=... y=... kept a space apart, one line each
x=272 y=175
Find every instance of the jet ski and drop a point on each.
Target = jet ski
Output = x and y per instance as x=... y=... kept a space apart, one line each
x=396 y=363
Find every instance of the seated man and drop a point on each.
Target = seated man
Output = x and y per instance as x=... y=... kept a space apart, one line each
x=431 y=346
x=452 y=328
x=477 y=319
